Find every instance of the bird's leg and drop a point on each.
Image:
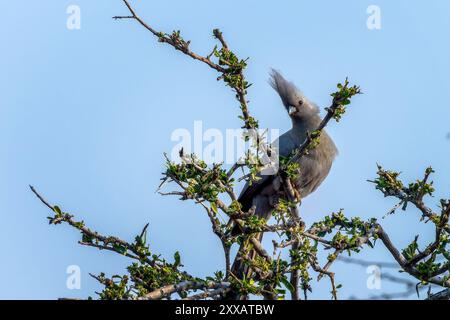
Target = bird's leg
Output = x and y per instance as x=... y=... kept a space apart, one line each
x=297 y=197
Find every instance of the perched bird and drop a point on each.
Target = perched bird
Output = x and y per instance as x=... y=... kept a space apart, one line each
x=262 y=195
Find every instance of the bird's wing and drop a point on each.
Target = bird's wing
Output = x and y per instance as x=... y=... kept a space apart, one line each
x=250 y=191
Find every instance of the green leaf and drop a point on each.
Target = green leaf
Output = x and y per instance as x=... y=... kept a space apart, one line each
x=120 y=249
x=214 y=207
x=177 y=258
x=287 y=284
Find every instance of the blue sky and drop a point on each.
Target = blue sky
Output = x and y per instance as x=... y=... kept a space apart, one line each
x=85 y=116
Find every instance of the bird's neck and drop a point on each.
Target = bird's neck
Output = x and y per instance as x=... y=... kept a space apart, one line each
x=310 y=123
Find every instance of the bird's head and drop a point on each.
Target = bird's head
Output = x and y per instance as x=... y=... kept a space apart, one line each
x=296 y=104
x=302 y=108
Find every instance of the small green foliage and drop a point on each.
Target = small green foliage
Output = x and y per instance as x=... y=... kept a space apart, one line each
x=352 y=233
x=143 y=278
x=218 y=277
x=233 y=77
x=250 y=122
x=177 y=259
x=254 y=165
x=235 y=207
x=120 y=248
x=342 y=98
x=140 y=247
x=161 y=36
x=315 y=139
x=201 y=181
x=86 y=238
x=428 y=267
x=301 y=258
x=79 y=224
x=282 y=213
x=57 y=210
x=214 y=207
x=148 y=278
x=428 y=261
x=387 y=181
x=115 y=288
x=290 y=169
x=245 y=286
x=331 y=257
x=254 y=223
x=59 y=216
x=420 y=188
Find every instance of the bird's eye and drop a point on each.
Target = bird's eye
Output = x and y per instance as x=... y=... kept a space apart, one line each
x=300 y=102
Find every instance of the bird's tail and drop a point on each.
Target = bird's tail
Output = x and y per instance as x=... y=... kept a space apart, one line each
x=240 y=268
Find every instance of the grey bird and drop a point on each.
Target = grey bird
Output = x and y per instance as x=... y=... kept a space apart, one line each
x=263 y=195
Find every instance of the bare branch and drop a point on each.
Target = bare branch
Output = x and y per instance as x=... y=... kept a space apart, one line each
x=442 y=295
x=182 y=287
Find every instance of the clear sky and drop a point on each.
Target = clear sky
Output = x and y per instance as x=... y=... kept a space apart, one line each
x=85 y=116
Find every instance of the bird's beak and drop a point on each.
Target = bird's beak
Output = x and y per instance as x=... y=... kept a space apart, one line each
x=292 y=110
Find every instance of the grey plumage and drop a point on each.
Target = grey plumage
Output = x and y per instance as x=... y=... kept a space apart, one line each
x=314 y=166
x=263 y=194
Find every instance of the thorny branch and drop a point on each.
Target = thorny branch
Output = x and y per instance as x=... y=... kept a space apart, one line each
x=152 y=277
